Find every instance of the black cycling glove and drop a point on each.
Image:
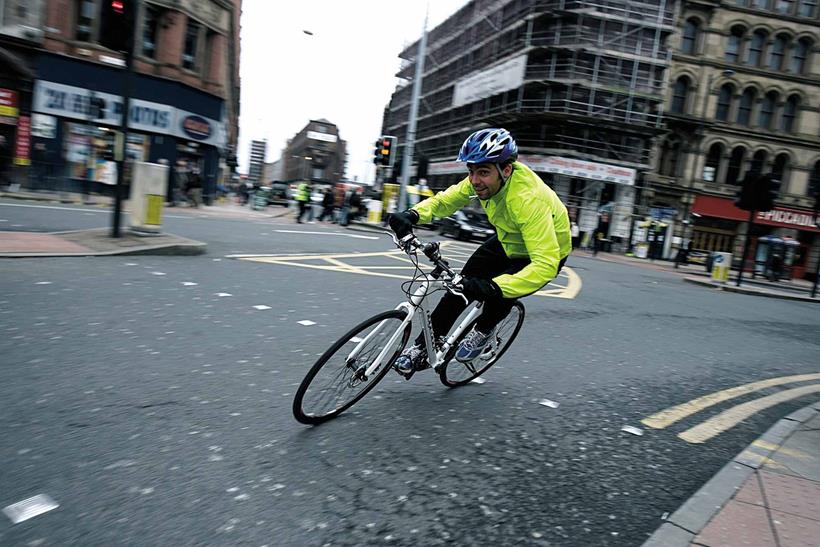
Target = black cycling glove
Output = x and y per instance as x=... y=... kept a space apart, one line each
x=477 y=288
x=402 y=223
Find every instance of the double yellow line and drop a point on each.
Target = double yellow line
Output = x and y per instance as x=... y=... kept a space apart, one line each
x=731 y=417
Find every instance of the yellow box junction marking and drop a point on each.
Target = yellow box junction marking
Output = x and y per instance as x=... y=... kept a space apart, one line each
x=336 y=263
x=669 y=416
x=733 y=416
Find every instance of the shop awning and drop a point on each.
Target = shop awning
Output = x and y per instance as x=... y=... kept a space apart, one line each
x=782 y=217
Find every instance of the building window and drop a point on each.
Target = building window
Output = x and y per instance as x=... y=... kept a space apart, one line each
x=679 y=95
x=799 y=54
x=756 y=48
x=777 y=51
x=784 y=6
x=807 y=8
x=189 y=56
x=149 y=31
x=712 y=166
x=761 y=4
x=733 y=46
x=742 y=3
x=670 y=153
x=724 y=102
x=690 y=37
x=814 y=180
x=780 y=170
x=758 y=162
x=735 y=165
x=85 y=20
x=744 y=111
x=789 y=114
x=767 y=110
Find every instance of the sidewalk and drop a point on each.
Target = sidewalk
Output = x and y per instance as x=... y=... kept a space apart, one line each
x=96 y=242
x=767 y=496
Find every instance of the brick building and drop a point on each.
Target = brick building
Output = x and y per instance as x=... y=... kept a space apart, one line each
x=184 y=102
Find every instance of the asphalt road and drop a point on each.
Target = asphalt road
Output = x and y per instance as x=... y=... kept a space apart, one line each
x=155 y=409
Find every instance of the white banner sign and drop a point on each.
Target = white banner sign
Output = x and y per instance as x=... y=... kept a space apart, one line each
x=68 y=101
x=579 y=168
x=316 y=136
x=491 y=81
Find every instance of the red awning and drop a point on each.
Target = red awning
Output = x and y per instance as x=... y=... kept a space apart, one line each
x=783 y=217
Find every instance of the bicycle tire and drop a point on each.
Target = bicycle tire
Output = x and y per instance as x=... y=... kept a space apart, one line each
x=307 y=416
x=451 y=374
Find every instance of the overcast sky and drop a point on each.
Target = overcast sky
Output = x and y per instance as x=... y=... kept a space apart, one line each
x=344 y=72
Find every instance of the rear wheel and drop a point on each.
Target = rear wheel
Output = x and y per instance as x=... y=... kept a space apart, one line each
x=456 y=373
x=337 y=381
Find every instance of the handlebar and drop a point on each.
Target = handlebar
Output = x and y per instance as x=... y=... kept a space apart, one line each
x=410 y=243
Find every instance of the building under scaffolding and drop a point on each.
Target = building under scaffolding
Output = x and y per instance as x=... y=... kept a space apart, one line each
x=579 y=84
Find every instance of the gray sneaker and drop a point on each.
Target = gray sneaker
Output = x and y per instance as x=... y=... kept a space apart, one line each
x=410 y=360
x=472 y=345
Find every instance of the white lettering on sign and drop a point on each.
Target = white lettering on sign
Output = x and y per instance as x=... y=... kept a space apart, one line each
x=788 y=217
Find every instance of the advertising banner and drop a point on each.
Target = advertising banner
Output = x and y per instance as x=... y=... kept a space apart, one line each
x=22 y=149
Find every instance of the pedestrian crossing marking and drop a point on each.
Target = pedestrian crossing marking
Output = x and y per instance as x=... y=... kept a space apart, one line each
x=669 y=416
x=567 y=285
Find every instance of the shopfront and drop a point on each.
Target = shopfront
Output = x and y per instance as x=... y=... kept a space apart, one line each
x=722 y=226
x=78 y=110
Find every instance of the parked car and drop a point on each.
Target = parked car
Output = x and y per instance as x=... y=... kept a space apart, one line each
x=467 y=224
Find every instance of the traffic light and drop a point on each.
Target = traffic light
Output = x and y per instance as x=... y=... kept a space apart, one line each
x=757 y=193
x=387 y=150
x=377 y=153
x=117 y=25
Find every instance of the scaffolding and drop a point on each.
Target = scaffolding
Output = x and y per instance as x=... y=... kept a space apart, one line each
x=593 y=85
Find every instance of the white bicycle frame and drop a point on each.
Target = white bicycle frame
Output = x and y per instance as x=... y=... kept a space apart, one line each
x=414 y=305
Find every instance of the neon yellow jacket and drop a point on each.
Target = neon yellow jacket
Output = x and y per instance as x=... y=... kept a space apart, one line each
x=530 y=221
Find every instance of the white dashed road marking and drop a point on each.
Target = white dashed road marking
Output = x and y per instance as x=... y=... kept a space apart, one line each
x=30 y=508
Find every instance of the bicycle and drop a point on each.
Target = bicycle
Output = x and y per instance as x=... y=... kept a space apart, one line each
x=377 y=341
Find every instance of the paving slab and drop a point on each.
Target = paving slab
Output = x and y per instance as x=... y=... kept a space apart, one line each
x=738 y=524
x=96 y=242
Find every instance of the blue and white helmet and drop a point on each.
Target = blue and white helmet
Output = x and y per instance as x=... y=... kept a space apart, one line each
x=494 y=145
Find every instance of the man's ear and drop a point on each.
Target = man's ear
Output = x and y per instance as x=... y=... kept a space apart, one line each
x=508 y=169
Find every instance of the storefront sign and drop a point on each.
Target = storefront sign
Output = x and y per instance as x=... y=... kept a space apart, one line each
x=8 y=103
x=196 y=127
x=43 y=126
x=22 y=149
x=490 y=81
x=582 y=169
x=72 y=102
x=782 y=217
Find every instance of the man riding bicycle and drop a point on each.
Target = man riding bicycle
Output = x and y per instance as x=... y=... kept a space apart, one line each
x=530 y=248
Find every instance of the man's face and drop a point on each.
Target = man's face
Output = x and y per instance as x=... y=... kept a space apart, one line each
x=485 y=179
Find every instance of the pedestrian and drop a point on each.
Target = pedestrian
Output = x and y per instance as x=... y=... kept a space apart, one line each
x=194 y=188
x=302 y=200
x=575 y=233
x=344 y=217
x=683 y=254
x=180 y=186
x=327 y=205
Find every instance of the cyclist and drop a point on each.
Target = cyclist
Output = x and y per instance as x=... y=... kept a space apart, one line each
x=530 y=248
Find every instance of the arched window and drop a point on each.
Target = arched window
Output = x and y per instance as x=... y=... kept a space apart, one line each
x=780 y=170
x=767 y=110
x=735 y=165
x=758 y=162
x=814 y=181
x=734 y=44
x=744 y=111
x=712 y=166
x=690 y=37
x=724 y=102
x=679 y=95
x=670 y=154
x=807 y=8
x=799 y=55
x=789 y=114
x=756 y=48
x=777 y=51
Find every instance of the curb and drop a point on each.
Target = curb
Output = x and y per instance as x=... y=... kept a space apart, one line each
x=748 y=291
x=687 y=522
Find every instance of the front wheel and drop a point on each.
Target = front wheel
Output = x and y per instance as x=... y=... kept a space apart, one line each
x=337 y=381
x=456 y=373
